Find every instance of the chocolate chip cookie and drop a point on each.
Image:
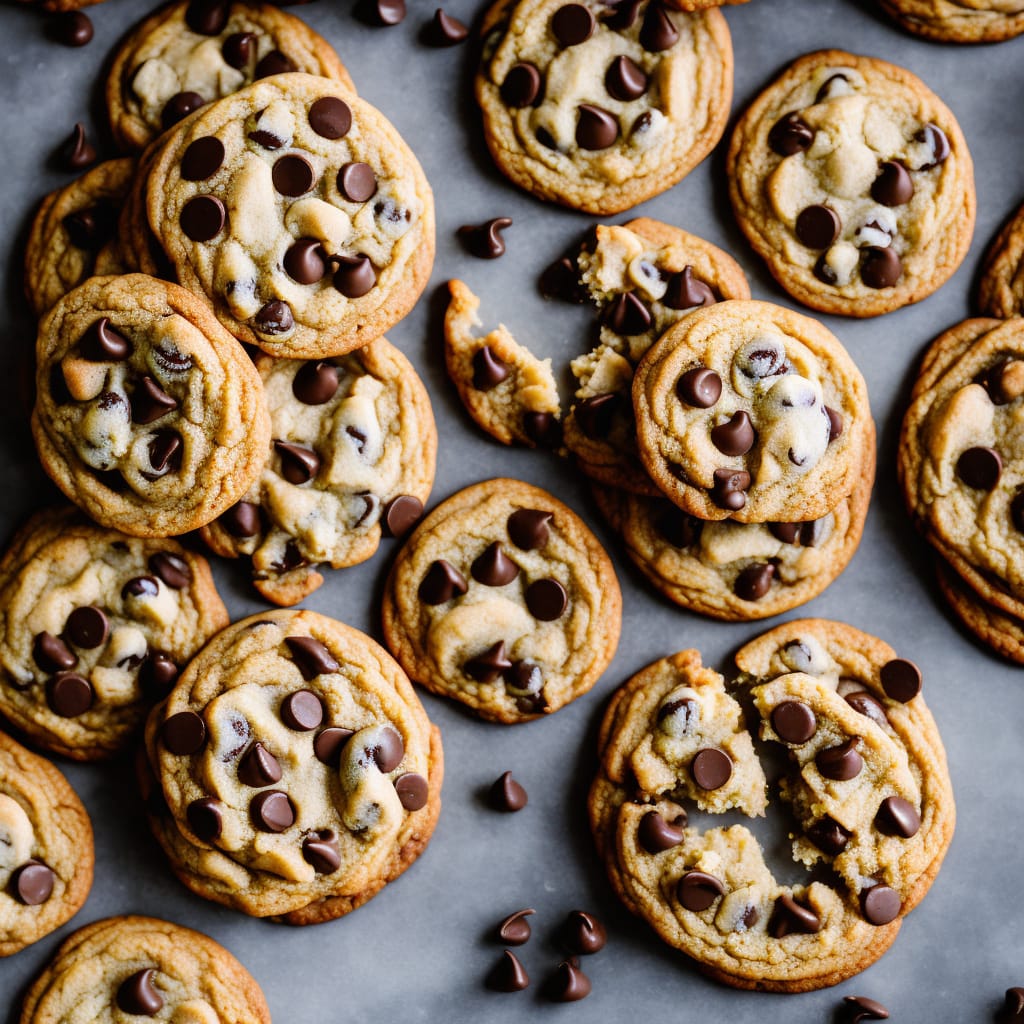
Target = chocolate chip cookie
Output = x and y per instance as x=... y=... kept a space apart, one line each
x=352 y=453
x=503 y=600
x=748 y=411
x=959 y=21
x=125 y=968
x=190 y=53
x=46 y=852
x=299 y=212
x=598 y=107
x=94 y=627
x=148 y=414
x=292 y=771
x=1001 y=291
x=852 y=180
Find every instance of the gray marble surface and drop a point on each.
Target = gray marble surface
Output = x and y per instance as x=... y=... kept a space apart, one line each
x=419 y=950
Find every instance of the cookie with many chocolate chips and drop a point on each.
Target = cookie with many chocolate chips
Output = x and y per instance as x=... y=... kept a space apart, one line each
x=125 y=968
x=852 y=180
x=94 y=627
x=959 y=21
x=643 y=277
x=351 y=455
x=749 y=411
x=292 y=771
x=46 y=851
x=192 y=52
x=599 y=107
x=1001 y=290
x=300 y=214
x=503 y=600
x=148 y=414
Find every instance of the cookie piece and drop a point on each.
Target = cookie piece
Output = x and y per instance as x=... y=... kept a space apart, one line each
x=46 y=851
x=852 y=180
x=140 y=967
x=746 y=410
x=509 y=392
x=503 y=600
x=294 y=771
x=958 y=21
x=352 y=450
x=73 y=226
x=738 y=571
x=598 y=108
x=190 y=53
x=94 y=626
x=1001 y=289
x=644 y=277
x=299 y=212
x=148 y=414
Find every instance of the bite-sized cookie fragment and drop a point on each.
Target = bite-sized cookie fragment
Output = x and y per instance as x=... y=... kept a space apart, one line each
x=643 y=277
x=738 y=571
x=598 y=107
x=853 y=181
x=46 y=851
x=292 y=771
x=133 y=968
x=72 y=227
x=94 y=628
x=299 y=212
x=148 y=414
x=192 y=52
x=1001 y=291
x=959 y=21
x=503 y=600
x=352 y=453
x=509 y=392
x=748 y=411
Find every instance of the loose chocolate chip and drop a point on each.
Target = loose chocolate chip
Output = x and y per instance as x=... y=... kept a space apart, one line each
x=77 y=152
x=157 y=674
x=794 y=721
x=546 y=599
x=238 y=49
x=149 y=401
x=328 y=745
x=515 y=929
x=700 y=387
x=684 y=291
x=313 y=659
x=184 y=733
x=897 y=817
x=71 y=28
x=51 y=654
x=901 y=680
x=321 y=851
x=293 y=175
x=543 y=428
x=441 y=583
x=87 y=627
x=203 y=218
x=484 y=240
x=506 y=794
x=880 y=904
x=935 y=138
x=299 y=464
x=207 y=17
x=487 y=667
x=829 y=836
x=178 y=107
x=101 y=343
x=140 y=586
x=866 y=704
x=698 y=890
x=69 y=694
x=508 y=974
x=1012 y=1011
x=32 y=883
x=274 y=63
x=401 y=514
x=627 y=315
x=494 y=568
x=818 y=226
x=788 y=916
x=521 y=86
x=711 y=768
x=790 y=134
x=729 y=489
x=736 y=436
x=861 y=1008
x=202 y=159
x=624 y=80
x=272 y=811
x=582 y=933
x=980 y=468
x=880 y=268
x=330 y=118
x=488 y=370
x=835 y=423
x=445 y=30
x=655 y=834
x=242 y=520
x=354 y=275
x=258 y=767
x=412 y=790
x=357 y=182
x=205 y=819
x=528 y=528
x=389 y=751
x=568 y=984
x=572 y=24
x=596 y=129
x=384 y=12
x=595 y=415
x=657 y=32
x=893 y=186
x=306 y=262
x=842 y=762
x=137 y=994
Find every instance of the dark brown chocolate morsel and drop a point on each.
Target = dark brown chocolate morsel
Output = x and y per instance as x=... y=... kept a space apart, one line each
x=893 y=186
x=754 y=581
x=543 y=428
x=202 y=218
x=1017 y=511
x=32 y=883
x=656 y=835
x=328 y=744
x=684 y=291
x=444 y=30
x=880 y=904
x=69 y=694
x=736 y=436
x=52 y=654
x=389 y=751
x=625 y=80
x=794 y=721
x=207 y=17
x=823 y=270
x=697 y=890
x=87 y=627
x=842 y=762
x=316 y=382
x=861 y=1008
x=275 y=317
x=184 y=733
x=488 y=369
x=829 y=836
x=596 y=413
x=506 y=794
x=729 y=490
x=70 y=28
x=790 y=134
x=867 y=704
x=383 y=13
x=560 y=280
x=711 y=768
x=508 y=974
x=242 y=519
x=788 y=917
x=980 y=468
x=818 y=226
x=178 y=107
x=515 y=929
x=488 y=666
x=412 y=790
x=91 y=228
x=272 y=811
x=935 y=138
x=699 y=387
x=901 y=680
x=676 y=526
x=299 y=464
x=238 y=49
x=205 y=818
x=157 y=674
x=274 y=63
x=306 y=262
x=835 y=423
x=1012 y=1011
x=293 y=175
x=357 y=182
x=627 y=315
x=880 y=268
x=897 y=817
x=77 y=152
x=202 y=159
x=568 y=984
x=441 y=583
x=149 y=401
x=102 y=343
x=494 y=568
x=657 y=32
x=596 y=129
x=484 y=240
x=572 y=24
x=302 y=710
x=401 y=514
x=138 y=994
x=521 y=86
x=354 y=276
x=258 y=767
x=321 y=851
x=311 y=656
x=582 y=933
x=330 y=117
x=528 y=528
x=546 y=599
x=140 y=586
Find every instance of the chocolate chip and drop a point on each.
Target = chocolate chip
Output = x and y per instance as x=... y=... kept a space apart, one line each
x=508 y=974
x=935 y=138
x=330 y=118
x=711 y=768
x=657 y=32
x=698 y=890
x=572 y=24
x=488 y=370
x=203 y=218
x=866 y=704
x=389 y=751
x=880 y=904
x=87 y=628
x=679 y=717
x=568 y=984
x=823 y=270
x=835 y=423
x=259 y=767
x=624 y=80
x=627 y=315
x=861 y=1008
x=51 y=654
x=596 y=129
x=790 y=134
x=581 y=933
x=299 y=464
x=521 y=86
x=729 y=488
x=205 y=819
x=242 y=520
x=1012 y=1011
x=207 y=17
x=901 y=680
x=92 y=228
x=980 y=468
x=487 y=667
x=1017 y=511
x=494 y=568
x=313 y=659
x=543 y=428
x=829 y=836
x=293 y=175
x=32 y=883
x=266 y=139
x=893 y=186
x=842 y=762
x=412 y=790
x=484 y=240
x=102 y=343
x=70 y=28
x=274 y=63
x=754 y=581
x=526 y=680
x=655 y=834
x=441 y=583
x=624 y=14
x=880 y=268
x=202 y=159
x=700 y=388
x=140 y=586
x=384 y=12
x=272 y=811
x=354 y=276
x=684 y=291
x=357 y=182
x=77 y=152
x=445 y=30
x=736 y=436
x=788 y=916
x=184 y=733
x=546 y=599
x=138 y=995
x=595 y=415
x=69 y=694
x=528 y=528
x=306 y=262
x=321 y=851
x=794 y=721
x=157 y=674
x=328 y=745
x=506 y=794
x=238 y=49
x=897 y=817
x=275 y=317
x=515 y=929
x=818 y=226
x=401 y=514
x=149 y=401
x=178 y=107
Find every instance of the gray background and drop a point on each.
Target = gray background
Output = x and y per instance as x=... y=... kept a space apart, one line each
x=420 y=950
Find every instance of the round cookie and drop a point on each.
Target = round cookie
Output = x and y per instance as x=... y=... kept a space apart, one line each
x=352 y=450
x=749 y=411
x=852 y=180
x=644 y=277
x=599 y=108
x=300 y=214
x=148 y=414
x=193 y=52
x=959 y=21
x=292 y=771
x=141 y=967
x=46 y=851
x=74 y=230
x=94 y=626
x=1001 y=289
x=504 y=601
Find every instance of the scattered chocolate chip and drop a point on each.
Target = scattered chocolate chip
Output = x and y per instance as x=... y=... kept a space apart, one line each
x=203 y=218
x=1012 y=1011
x=494 y=568
x=794 y=721
x=893 y=186
x=572 y=24
x=818 y=227
x=238 y=49
x=880 y=268
x=840 y=763
x=700 y=388
x=560 y=280
x=935 y=138
x=508 y=974
x=521 y=86
x=330 y=118
x=506 y=794
x=274 y=63
x=312 y=658
x=625 y=80
x=835 y=423
x=77 y=152
x=980 y=468
x=321 y=851
x=357 y=182
x=32 y=883
x=487 y=667
x=401 y=514
x=69 y=694
x=444 y=30
x=711 y=768
x=528 y=528
x=829 y=836
x=383 y=12
x=684 y=291
x=901 y=680
x=515 y=929
x=207 y=17
x=328 y=745
x=543 y=428
x=184 y=733
x=138 y=995
x=729 y=489
x=546 y=599
x=736 y=436
x=205 y=819
x=293 y=175
x=306 y=262
x=178 y=107
x=596 y=414
x=272 y=811
x=441 y=583
x=788 y=916
x=242 y=520
x=299 y=464
x=698 y=890
x=582 y=933
x=861 y=1008
x=790 y=134
x=87 y=628
x=655 y=834
x=70 y=28
x=258 y=767
x=488 y=369
x=897 y=817
x=657 y=32
x=627 y=315
x=754 y=581
x=412 y=790
x=596 y=129
x=880 y=904
x=484 y=240
x=568 y=984
x=51 y=654
x=157 y=674
x=354 y=276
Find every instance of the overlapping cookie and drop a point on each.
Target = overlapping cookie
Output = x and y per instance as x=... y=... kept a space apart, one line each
x=959 y=21
x=46 y=851
x=503 y=600
x=292 y=771
x=300 y=214
x=852 y=180
x=352 y=452
x=598 y=107
x=1001 y=290
x=148 y=414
